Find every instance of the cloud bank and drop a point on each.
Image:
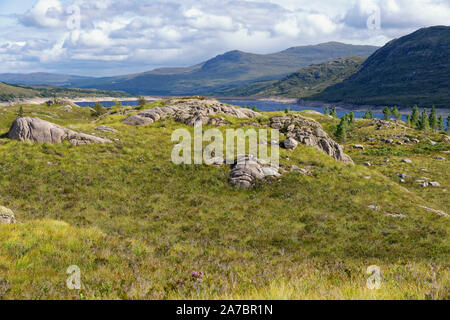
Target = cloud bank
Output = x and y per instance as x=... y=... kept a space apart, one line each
x=110 y=37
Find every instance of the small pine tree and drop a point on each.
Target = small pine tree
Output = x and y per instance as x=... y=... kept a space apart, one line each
x=387 y=113
x=448 y=122
x=334 y=113
x=98 y=110
x=368 y=115
x=408 y=120
x=287 y=110
x=351 y=117
x=327 y=111
x=415 y=116
x=396 y=113
x=117 y=103
x=20 y=114
x=433 y=118
x=424 y=121
x=342 y=128
x=142 y=101
x=441 y=125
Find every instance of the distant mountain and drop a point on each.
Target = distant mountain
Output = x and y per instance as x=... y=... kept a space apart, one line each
x=414 y=69
x=304 y=83
x=10 y=92
x=41 y=78
x=232 y=69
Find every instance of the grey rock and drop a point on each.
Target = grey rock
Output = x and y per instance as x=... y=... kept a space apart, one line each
x=407 y=161
x=290 y=144
x=358 y=146
x=247 y=170
x=38 y=130
x=191 y=112
x=106 y=129
x=6 y=216
x=309 y=133
x=438 y=212
x=440 y=158
x=367 y=164
x=434 y=184
x=374 y=207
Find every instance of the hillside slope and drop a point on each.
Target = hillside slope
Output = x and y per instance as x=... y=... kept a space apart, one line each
x=304 y=83
x=41 y=78
x=228 y=70
x=10 y=92
x=414 y=69
x=140 y=227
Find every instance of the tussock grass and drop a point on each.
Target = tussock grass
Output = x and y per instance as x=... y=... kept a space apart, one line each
x=138 y=225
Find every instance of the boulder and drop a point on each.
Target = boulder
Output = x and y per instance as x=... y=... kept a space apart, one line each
x=38 y=130
x=247 y=170
x=6 y=216
x=106 y=129
x=290 y=144
x=191 y=112
x=310 y=133
x=407 y=161
x=358 y=146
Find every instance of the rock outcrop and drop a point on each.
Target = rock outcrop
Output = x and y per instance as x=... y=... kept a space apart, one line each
x=310 y=133
x=6 y=216
x=247 y=170
x=191 y=111
x=38 y=130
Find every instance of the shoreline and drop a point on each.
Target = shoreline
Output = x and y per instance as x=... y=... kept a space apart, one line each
x=302 y=103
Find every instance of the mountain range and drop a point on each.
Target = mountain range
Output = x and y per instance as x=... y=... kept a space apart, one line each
x=224 y=71
x=414 y=69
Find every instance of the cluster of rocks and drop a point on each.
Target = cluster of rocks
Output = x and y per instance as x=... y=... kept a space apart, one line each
x=38 y=130
x=6 y=216
x=423 y=181
x=395 y=139
x=384 y=124
x=247 y=170
x=191 y=112
x=308 y=132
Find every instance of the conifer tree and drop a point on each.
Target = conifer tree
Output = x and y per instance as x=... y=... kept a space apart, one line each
x=387 y=113
x=334 y=113
x=424 y=121
x=441 y=125
x=415 y=116
x=327 y=111
x=433 y=119
x=396 y=113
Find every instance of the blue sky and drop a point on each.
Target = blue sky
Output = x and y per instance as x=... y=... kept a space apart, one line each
x=111 y=37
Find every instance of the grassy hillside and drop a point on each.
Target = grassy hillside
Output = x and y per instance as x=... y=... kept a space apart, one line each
x=10 y=92
x=414 y=69
x=229 y=70
x=304 y=83
x=138 y=225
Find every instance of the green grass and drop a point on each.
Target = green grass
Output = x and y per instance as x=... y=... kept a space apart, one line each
x=138 y=225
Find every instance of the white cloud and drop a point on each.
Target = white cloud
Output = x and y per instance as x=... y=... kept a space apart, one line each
x=130 y=36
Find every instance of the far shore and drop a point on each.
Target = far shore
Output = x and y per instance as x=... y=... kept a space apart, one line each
x=303 y=103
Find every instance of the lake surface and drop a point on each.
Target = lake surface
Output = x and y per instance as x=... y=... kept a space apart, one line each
x=269 y=106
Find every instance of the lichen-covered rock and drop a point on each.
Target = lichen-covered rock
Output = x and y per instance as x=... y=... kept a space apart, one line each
x=38 y=130
x=106 y=129
x=290 y=144
x=190 y=112
x=247 y=170
x=310 y=133
x=6 y=216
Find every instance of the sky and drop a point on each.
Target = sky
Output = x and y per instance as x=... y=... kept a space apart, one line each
x=114 y=37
